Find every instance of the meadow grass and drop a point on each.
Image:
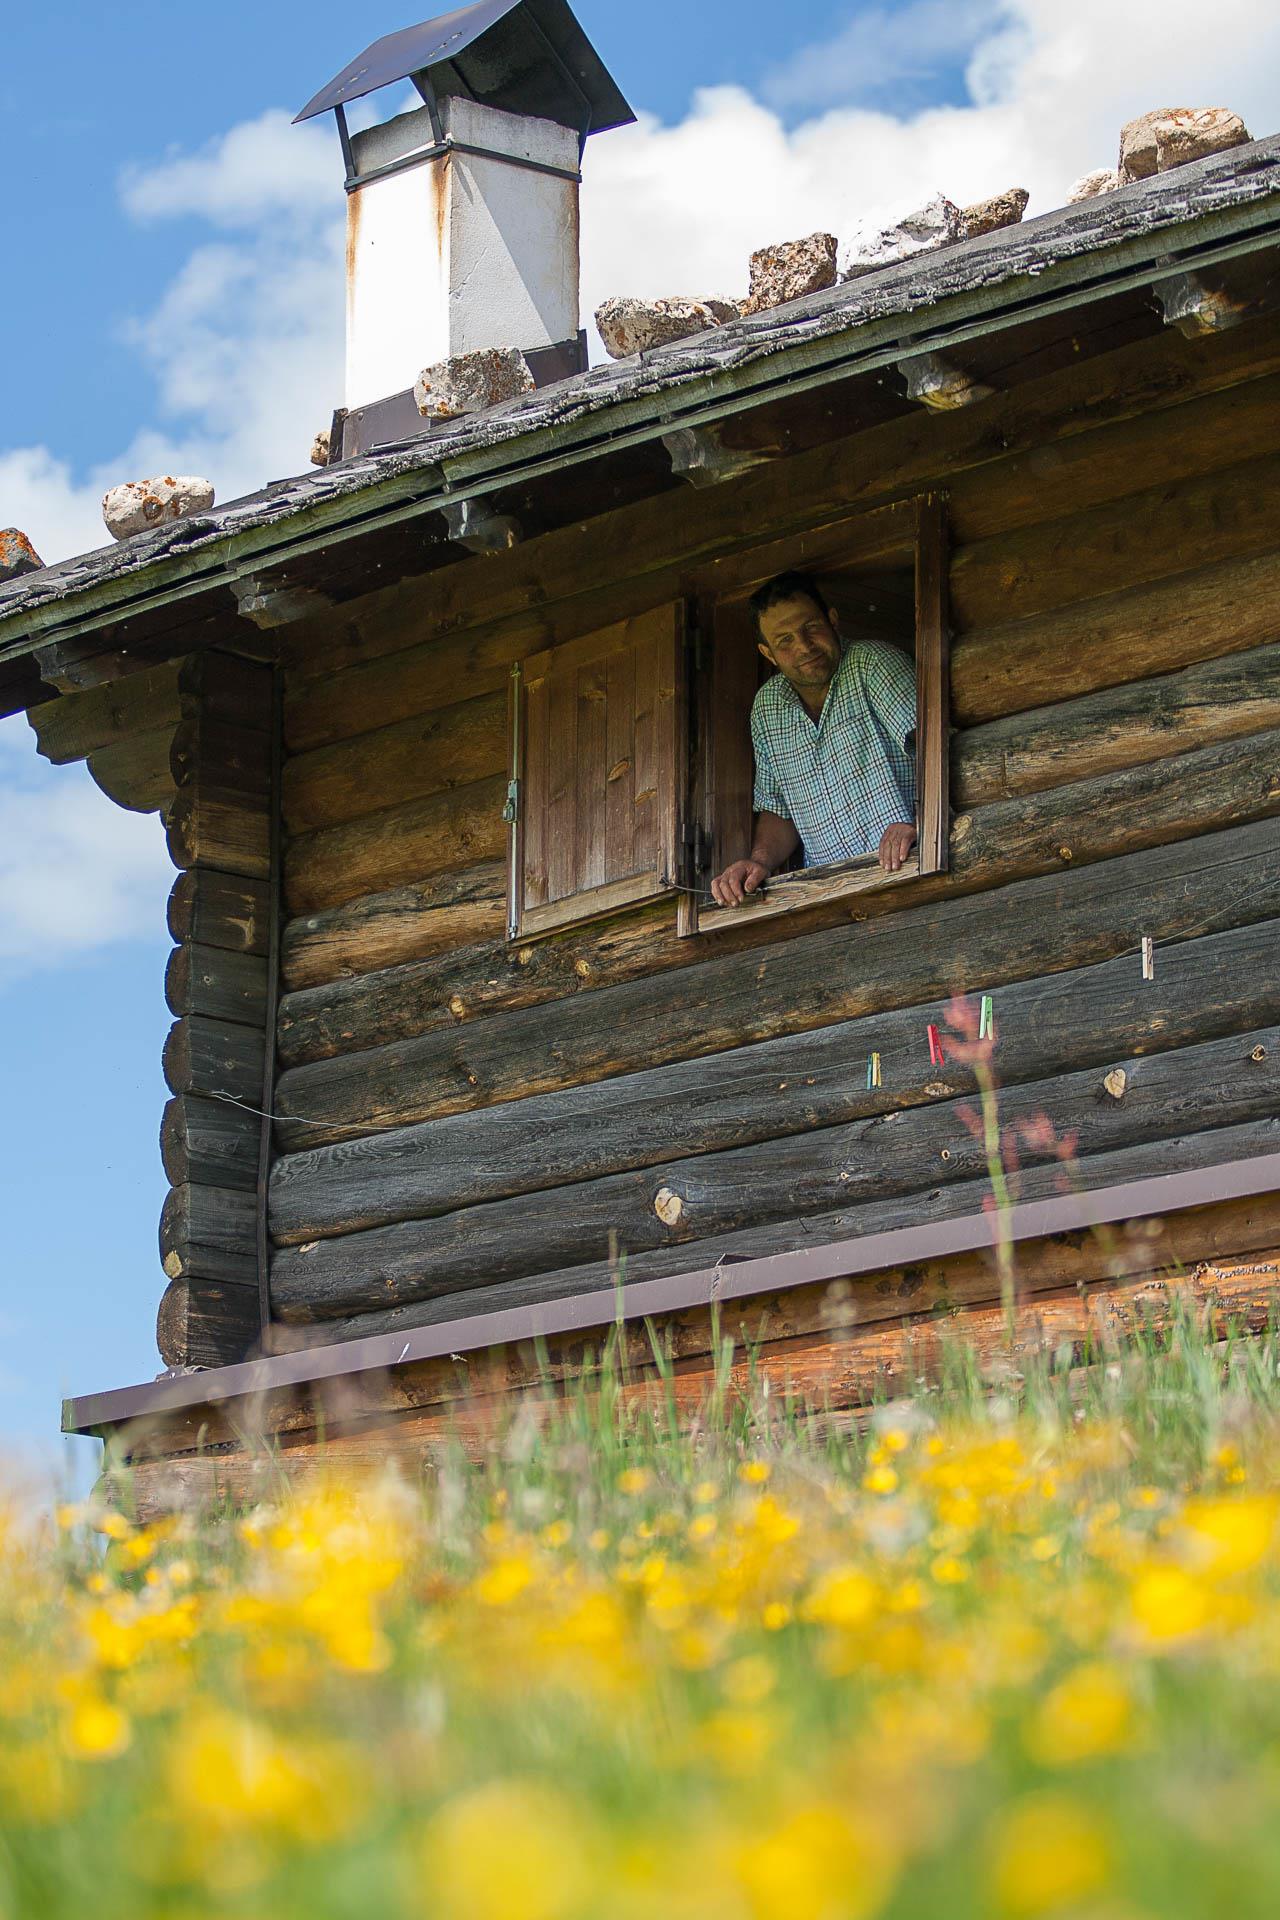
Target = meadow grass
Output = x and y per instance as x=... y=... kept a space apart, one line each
x=1010 y=1652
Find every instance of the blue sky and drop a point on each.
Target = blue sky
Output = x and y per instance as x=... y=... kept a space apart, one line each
x=173 y=301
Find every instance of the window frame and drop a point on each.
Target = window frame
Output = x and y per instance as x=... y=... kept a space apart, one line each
x=928 y=550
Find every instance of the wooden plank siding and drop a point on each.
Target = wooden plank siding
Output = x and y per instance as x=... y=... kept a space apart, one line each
x=468 y=1121
x=217 y=986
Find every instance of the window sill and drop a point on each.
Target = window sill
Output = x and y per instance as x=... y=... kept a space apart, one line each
x=810 y=887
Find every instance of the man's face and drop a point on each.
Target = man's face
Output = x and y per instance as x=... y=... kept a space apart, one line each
x=801 y=642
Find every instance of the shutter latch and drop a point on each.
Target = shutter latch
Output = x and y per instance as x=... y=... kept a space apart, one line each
x=511 y=811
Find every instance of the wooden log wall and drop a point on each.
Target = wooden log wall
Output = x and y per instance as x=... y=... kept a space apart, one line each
x=217 y=988
x=466 y=1123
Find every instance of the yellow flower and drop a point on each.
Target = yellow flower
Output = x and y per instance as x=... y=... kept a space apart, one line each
x=558 y=1534
x=509 y=1848
x=843 y=1597
x=1168 y=1604
x=775 y=1615
x=705 y=1492
x=702 y=1527
x=95 y=1730
x=948 y=1571
x=822 y=1863
x=234 y=1775
x=504 y=1582
x=1047 y=1853
x=1088 y=1713
x=635 y=1480
x=1045 y=1547
x=754 y=1473
x=881 y=1479
x=1230 y=1535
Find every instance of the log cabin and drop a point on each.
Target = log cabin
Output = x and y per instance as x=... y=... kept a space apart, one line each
x=448 y=737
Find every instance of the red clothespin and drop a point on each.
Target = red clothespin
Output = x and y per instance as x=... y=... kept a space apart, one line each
x=937 y=1058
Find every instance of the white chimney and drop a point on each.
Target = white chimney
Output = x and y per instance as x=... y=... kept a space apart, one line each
x=462 y=214
x=456 y=250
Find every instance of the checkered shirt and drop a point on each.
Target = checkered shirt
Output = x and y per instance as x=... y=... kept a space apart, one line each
x=842 y=779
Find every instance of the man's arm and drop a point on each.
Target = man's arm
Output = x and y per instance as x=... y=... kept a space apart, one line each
x=775 y=841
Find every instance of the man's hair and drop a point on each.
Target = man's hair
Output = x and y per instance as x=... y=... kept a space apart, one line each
x=786 y=586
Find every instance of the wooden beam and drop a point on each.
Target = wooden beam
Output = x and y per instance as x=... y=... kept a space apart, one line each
x=268 y=604
x=396 y=1076
x=1236 y=1079
x=1120 y=727
x=933 y=684
x=772 y=1089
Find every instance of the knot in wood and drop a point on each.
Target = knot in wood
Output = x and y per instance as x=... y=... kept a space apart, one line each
x=1115 y=1082
x=1064 y=853
x=583 y=969
x=1258 y=1054
x=668 y=1206
x=457 y=1006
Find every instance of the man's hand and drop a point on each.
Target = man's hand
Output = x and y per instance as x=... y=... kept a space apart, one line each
x=896 y=843
x=732 y=886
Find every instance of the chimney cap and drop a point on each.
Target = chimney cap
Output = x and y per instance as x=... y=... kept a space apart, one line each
x=523 y=56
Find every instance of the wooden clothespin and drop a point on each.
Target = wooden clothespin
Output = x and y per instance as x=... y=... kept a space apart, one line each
x=1148 y=957
x=987 y=1019
x=937 y=1058
x=873 y=1071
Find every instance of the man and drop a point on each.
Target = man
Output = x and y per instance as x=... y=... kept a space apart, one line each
x=833 y=733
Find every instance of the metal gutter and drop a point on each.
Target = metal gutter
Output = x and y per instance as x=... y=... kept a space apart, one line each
x=596 y=1311
x=693 y=398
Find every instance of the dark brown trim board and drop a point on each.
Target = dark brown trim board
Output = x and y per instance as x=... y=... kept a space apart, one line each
x=1139 y=1199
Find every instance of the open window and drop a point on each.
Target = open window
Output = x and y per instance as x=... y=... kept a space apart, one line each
x=599 y=773
x=632 y=768
x=899 y=597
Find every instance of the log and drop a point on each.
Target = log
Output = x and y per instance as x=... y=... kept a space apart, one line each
x=210 y=980
x=236 y=750
x=397 y=847
x=428 y=753
x=900 y=457
x=1122 y=727
x=1195 y=523
x=442 y=914
x=135 y=772
x=220 y=910
x=78 y=724
x=212 y=1057
x=1116 y=638
x=1201 y=1233
x=1235 y=1079
x=380 y=1018
x=203 y=1323
x=216 y=826
x=222 y=689
x=364 y=691
x=209 y=1233
x=1203 y=988
x=208 y=1143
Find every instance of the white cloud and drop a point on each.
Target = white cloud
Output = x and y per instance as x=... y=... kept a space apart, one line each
x=76 y=873
x=881 y=48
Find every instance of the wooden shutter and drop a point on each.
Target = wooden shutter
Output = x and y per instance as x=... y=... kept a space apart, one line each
x=600 y=732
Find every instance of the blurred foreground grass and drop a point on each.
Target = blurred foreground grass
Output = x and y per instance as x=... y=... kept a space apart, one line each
x=990 y=1656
